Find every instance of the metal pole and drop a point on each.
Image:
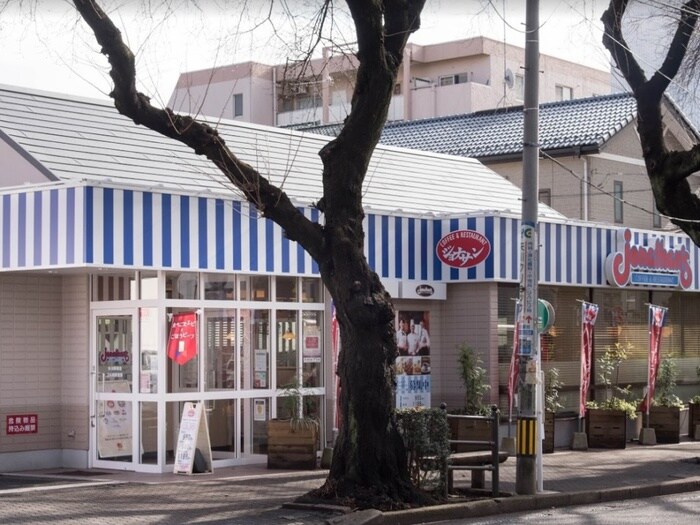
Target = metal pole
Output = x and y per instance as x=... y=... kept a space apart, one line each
x=529 y=359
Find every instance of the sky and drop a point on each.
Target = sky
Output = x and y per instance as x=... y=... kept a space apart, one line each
x=46 y=46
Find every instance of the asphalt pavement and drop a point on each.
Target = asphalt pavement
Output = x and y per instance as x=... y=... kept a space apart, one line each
x=254 y=495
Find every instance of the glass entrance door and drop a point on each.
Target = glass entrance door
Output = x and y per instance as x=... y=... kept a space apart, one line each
x=114 y=410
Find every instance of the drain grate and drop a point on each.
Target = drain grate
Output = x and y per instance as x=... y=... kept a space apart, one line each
x=695 y=460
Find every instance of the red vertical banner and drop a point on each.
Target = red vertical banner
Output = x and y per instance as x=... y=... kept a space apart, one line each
x=657 y=316
x=182 y=341
x=335 y=347
x=513 y=369
x=589 y=314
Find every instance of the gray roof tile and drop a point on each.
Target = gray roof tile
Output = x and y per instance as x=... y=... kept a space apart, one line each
x=585 y=123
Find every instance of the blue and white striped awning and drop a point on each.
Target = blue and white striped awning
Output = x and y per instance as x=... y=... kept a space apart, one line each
x=67 y=226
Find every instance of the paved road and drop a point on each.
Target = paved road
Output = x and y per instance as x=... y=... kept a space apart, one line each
x=675 y=509
x=230 y=502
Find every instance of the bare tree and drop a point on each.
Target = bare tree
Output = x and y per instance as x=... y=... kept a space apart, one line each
x=668 y=170
x=369 y=462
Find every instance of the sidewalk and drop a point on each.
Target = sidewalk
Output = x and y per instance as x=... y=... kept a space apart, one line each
x=255 y=495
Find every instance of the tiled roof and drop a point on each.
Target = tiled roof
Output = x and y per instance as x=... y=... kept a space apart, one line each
x=585 y=123
x=75 y=139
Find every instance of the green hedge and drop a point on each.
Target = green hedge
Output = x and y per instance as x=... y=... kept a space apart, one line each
x=426 y=436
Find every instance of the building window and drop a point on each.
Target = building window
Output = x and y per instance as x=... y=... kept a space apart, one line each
x=618 y=202
x=563 y=93
x=519 y=87
x=545 y=196
x=656 y=216
x=397 y=88
x=237 y=105
x=448 y=80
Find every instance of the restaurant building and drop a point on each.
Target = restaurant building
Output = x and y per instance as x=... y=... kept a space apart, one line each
x=111 y=234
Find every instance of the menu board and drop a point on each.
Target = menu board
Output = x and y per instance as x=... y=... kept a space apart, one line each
x=193 y=437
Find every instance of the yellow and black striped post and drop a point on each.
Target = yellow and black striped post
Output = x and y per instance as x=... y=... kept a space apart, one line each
x=527 y=436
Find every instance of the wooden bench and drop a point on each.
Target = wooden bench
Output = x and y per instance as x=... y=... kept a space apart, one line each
x=479 y=454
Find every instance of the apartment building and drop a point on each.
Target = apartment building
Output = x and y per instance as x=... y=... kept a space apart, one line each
x=435 y=80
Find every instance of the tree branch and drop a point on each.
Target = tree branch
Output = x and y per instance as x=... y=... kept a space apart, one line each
x=677 y=49
x=272 y=202
x=616 y=44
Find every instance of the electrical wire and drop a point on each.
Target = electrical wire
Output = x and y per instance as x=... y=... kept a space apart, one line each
x=613 y=196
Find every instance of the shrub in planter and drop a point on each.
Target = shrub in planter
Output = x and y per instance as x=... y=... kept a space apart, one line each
x=475 y=388
x=474 y=380
x=292 y=441
x=552 y=385
x=607 y=421
x=667 y=410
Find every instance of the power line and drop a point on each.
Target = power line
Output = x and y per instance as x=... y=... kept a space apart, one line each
x=613 y=196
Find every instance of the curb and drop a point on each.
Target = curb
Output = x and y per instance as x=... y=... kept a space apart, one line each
x=490 y=507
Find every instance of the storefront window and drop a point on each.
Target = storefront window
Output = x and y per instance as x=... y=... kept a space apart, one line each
x=149 y=285
x=255 y=288
x=254 y=349
x=312 y=343
x=222 y=417
x=287 y=336
x=286 y=289
x=149 y=432
x=113 y=287
x=256 y=414
x=148 y=373
x=220 y=336
x=311 y=290
x=181 y=285
x=114 y=353
x=219 y=286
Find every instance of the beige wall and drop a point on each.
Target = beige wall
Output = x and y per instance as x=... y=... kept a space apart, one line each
x=468 y=315
x=43 y=349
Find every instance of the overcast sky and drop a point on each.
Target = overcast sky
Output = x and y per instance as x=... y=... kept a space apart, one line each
x=44 y=45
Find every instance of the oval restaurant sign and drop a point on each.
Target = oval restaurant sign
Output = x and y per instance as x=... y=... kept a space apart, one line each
x=652 y=265
x=463 y=248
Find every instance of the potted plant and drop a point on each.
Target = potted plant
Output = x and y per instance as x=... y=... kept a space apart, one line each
x=607 y=421
x=667 y=411
x=552 y=385
x=292 y=439
x=475 y=388
x=694 y=413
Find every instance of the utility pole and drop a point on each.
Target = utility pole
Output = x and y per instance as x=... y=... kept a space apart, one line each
x=528 y=440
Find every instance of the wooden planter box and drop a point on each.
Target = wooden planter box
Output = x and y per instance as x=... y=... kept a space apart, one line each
x=606 y=428
x=693 y=420
x=548 y=442
x=666 y=422
x=290 y=447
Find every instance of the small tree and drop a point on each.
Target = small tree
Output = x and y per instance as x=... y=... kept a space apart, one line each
x=666 y=384
x=552 y=386
x=474 y=379
x=616 y=396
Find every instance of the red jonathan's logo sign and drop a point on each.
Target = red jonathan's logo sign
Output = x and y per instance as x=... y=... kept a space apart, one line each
x=463 y=248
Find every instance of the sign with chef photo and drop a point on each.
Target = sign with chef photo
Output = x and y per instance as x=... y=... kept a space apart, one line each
x=412 y=364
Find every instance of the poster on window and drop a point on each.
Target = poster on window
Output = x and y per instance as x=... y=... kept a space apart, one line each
x=312 y=344
x=412 y=364
x=114 y=422
x=259 y=410
x=182 y=341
